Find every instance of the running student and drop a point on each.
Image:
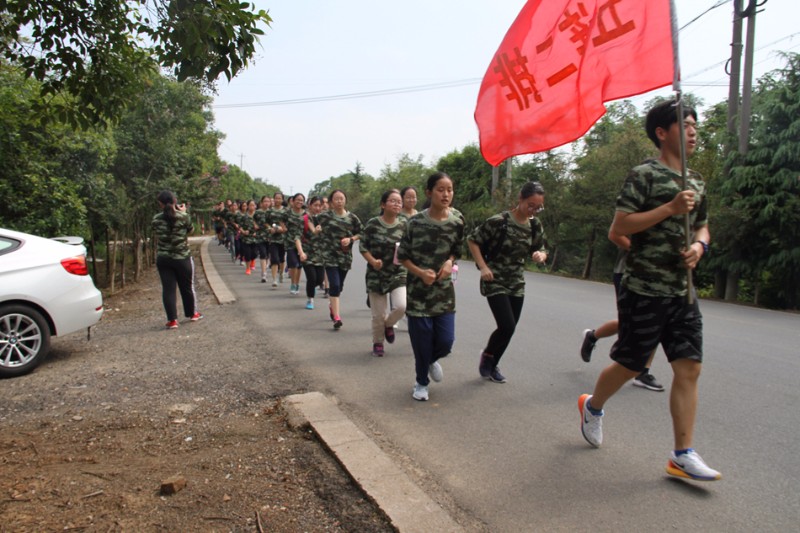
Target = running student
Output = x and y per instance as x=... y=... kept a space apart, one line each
x=249 y=237
x=340 y=229
x=261 y=219
x=174 y=259
x=409 y=195
x=277 y=250
x=379 y=240
x=294 y=216
x=645 y=380
x=652 y=304
x=500 y=247
x=429 y=249
x=307 y=245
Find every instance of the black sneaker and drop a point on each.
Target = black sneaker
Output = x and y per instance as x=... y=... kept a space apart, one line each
x=485 y=366
x=496 y=376
x=589 y=341
x=337 y=324
x=646 y=380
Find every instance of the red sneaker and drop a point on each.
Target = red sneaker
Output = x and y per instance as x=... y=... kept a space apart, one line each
x=172 y=324
x=196 y=317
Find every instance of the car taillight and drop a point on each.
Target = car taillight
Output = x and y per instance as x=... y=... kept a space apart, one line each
x=76 y=265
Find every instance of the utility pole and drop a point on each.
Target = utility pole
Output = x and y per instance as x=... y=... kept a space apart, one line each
x=241 y=161
x=721 y=285
x=732 y=276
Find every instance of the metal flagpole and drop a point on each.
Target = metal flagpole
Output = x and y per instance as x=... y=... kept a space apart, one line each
x=676 y=86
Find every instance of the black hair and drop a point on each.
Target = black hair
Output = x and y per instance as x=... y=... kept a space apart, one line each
x=531 y=188
x=313 y=199
x=385 y=196
x=663 y=116
x=334 y=191
x=404 y=190
x=299 y=194
x=434 y=178
x=168 y=200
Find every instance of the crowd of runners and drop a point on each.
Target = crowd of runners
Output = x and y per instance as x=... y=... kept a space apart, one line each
x=411 y=258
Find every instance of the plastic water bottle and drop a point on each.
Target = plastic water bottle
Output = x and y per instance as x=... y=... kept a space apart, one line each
x=454 y=273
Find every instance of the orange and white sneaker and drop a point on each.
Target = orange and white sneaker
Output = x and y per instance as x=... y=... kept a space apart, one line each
x=690 y=465
x=591 y=424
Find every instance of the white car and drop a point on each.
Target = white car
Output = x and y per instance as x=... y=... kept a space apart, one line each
x=45 y=290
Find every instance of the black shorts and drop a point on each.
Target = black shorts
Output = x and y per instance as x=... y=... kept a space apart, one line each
x=292 y=258
x=262 y=249
x=277 y=253
x=647 y=321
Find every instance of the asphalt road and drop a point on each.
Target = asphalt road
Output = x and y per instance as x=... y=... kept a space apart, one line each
x=512 y=455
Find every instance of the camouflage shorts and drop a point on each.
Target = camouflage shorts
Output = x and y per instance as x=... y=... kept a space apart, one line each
x=647 y=321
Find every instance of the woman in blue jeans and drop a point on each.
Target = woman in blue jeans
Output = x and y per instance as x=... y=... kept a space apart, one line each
x=429 y=248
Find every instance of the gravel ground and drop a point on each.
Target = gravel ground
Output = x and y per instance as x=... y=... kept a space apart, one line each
x=88 y=438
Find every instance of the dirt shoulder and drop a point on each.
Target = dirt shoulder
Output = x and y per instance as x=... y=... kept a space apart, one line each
x=89 y=437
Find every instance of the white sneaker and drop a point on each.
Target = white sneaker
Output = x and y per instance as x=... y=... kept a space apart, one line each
x=691 y=466
x=435 y=371
x=591 y=425
x=420 y=392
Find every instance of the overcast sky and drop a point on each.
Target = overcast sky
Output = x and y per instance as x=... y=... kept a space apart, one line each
x=429 y=56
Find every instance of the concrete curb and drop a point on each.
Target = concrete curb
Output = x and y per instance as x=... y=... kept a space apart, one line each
x=408 y=508
x=221 y=291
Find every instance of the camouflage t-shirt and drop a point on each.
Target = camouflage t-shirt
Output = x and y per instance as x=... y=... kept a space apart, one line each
x=380 y=239
x=311 y=241
x=334 y=229
x=508 y=265
x=261 y=218
x=428 y=243
x=294 y=227
x=276 y=217
x=246 y=223
x=654 y=265
x=172 y=241
x=229 y=219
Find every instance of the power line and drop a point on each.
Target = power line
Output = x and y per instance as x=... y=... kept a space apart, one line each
x=469 y=81
x=352 y=96
x=715 y=6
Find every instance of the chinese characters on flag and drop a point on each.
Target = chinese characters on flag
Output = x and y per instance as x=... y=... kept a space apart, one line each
x=558 y=63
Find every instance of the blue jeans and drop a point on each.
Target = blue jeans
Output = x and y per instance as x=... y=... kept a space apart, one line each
x=431 y=339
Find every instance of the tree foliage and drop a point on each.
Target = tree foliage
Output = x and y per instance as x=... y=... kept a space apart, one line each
x=92 y=56
x=764 y=189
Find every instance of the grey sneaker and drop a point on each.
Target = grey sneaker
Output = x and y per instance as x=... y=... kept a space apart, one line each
x=589 y=341
x=435 y=371
x=591 y=425
x=646 y=380
x=420 y=392
x=690 y=465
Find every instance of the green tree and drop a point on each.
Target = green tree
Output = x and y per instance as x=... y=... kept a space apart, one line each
x=92 y=56
x=47 y=173
x=615 y=144
x=164 y=141
x=763 y=186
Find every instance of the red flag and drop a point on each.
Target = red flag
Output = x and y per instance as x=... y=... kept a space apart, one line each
x=558 y=63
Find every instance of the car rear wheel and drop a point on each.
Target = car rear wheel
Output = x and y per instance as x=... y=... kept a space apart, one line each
x=24 y=339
